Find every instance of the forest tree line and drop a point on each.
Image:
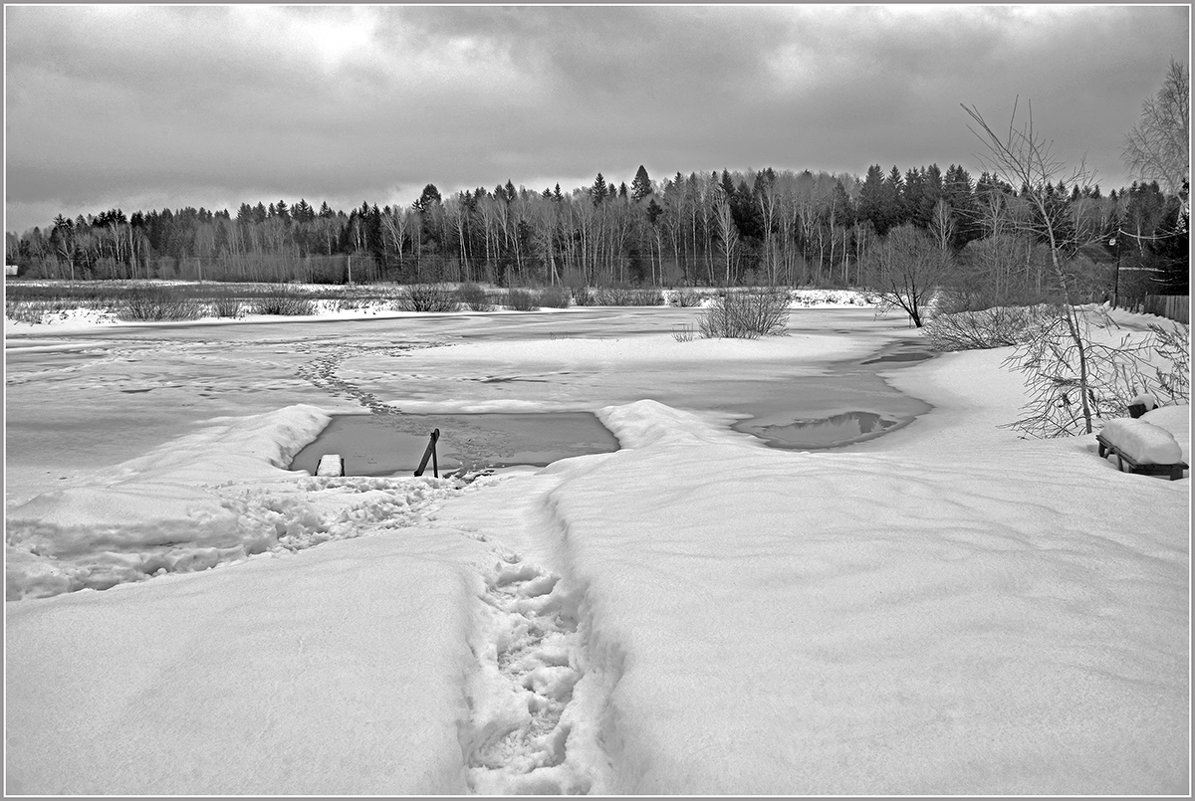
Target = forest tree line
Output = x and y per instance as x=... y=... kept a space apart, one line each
x=718 y=229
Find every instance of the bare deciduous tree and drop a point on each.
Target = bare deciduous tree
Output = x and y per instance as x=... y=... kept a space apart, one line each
x=1158 y=147
x=905 y=269
x=1021 y=157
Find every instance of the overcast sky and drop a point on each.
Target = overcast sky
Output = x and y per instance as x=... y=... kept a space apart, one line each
x=148 y=107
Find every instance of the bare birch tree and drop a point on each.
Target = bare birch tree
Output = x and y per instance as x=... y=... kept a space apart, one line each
x=1021 y=157
x=1158 y=147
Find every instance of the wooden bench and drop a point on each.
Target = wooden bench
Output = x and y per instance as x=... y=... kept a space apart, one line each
x=1175 y=471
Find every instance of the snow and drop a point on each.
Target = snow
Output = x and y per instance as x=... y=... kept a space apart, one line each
x=1142 y=441
x=1146 y=400
x=1176 y=420
x=211 y=497
x=330 y=464
x=946 y=609
x=332 y=670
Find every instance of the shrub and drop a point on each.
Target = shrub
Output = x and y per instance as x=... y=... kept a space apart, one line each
x=522 y=300
x=227 y=307
x=157 y=305
x=555 y=297
x=746 y=315
x=24 y=311
x=1110 y=374
x=583 y=296
x=684 y=298
x=474 y=297
x=623 y=296
x=429 y=298
x=285 y=306
x=997 y=327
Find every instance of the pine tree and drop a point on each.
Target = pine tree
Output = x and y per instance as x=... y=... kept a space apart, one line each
x=599 y=190
x=871 y=199
x=641 y=185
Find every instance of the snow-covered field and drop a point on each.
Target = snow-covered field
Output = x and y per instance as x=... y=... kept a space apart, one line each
x=946 y=609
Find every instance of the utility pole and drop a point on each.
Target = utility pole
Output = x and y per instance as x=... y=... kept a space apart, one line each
x=1116 y=281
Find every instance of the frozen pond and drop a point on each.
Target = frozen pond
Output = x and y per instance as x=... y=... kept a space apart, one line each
x=80 y=402
x=376 y=445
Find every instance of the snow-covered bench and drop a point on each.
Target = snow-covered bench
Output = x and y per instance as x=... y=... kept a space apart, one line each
x=1145 y=447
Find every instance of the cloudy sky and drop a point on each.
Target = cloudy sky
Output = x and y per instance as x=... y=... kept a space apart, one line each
x=148 y=107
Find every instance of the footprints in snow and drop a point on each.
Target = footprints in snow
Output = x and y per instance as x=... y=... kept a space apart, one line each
x=322 y=372
x=522 y=696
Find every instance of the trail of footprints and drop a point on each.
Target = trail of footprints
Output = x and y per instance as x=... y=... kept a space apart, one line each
x=322 y=370
x=529 y=668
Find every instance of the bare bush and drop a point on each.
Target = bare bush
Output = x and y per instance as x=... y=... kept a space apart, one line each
x=996 y=327
x=1172 y=344
x=746 y=315
x=1106 y=377
x=556 y=297
x=227 y=307
x=429 y=298
x=684 y=298
x=157 y=306
x=583 y=296
x=284 y=305
x=522 y=300
x=624 y=296
x=474 y=297
x=26 y=311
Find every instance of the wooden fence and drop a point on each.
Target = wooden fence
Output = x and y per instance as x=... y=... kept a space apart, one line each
x=1173 y=307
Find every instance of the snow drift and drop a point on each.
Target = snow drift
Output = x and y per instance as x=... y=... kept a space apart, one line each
x=214 y=496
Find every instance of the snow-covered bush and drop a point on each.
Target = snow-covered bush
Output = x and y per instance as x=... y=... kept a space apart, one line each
x=746 y=315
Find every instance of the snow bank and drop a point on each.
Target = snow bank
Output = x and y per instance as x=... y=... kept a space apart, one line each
x=333 y=671
x=1142 y=441
x=214 y=496
x=858 y=622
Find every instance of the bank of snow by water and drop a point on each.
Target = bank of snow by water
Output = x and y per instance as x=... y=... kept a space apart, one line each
x=217 y=495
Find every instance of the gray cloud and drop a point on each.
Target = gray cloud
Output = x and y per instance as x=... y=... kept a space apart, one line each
x=209 y=105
